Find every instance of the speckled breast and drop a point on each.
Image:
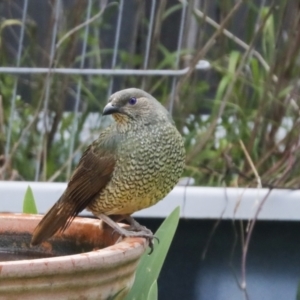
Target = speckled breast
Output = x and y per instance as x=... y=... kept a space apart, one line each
x=149 y=163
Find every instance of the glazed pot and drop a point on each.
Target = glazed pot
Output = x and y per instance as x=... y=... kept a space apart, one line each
x=84 y=262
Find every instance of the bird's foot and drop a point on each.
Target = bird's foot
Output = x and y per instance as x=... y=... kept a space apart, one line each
x=135 y=225
x=147 y=234
x=134 y=230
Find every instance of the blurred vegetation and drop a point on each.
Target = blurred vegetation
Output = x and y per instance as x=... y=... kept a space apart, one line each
x=249 y=97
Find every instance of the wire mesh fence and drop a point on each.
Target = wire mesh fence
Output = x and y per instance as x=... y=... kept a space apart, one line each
x=87 y=26
x=55 y=40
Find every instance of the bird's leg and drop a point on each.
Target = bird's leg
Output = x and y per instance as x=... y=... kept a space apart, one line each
x=142 y=231
x=135 y=225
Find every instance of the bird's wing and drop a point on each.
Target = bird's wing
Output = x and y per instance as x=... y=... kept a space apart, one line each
x=94 y=171
x=90 y=177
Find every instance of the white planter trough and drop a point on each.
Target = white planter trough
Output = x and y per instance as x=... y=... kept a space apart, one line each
x=195 y=202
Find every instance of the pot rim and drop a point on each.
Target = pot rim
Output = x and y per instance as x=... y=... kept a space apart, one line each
x=129 y=248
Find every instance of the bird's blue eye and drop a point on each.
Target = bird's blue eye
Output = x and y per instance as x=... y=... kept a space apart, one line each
x=132 y=101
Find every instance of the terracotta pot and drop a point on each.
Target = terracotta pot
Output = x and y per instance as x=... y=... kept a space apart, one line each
x=82 y=263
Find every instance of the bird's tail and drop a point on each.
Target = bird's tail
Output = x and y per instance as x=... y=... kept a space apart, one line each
x=57 y=218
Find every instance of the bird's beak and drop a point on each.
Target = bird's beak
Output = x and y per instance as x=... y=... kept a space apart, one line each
x=110 y=109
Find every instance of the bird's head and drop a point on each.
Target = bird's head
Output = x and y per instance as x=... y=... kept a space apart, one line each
x=135 y=105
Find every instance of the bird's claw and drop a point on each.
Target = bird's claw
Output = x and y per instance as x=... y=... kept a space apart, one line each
x=113 y=233
x=133 y=230
x=151 y=243
x=146 y=233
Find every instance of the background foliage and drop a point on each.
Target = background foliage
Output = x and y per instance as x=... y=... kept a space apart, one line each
x=249 y=97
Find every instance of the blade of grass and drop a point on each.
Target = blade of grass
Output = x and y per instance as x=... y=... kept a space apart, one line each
x=150 y=265
x=153 y=292
x=29 y=206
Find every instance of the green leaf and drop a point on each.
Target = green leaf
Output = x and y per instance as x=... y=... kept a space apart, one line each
x=29 y=206
x=171 y=10
x=153 y=292
x=150 y=265
x=9 y=22
x=233 y=61
x=222 y=86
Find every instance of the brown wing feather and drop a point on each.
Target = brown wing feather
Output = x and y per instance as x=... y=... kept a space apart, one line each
x=90 y=177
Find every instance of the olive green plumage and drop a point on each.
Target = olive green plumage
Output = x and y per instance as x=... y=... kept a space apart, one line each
x=134 y=163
